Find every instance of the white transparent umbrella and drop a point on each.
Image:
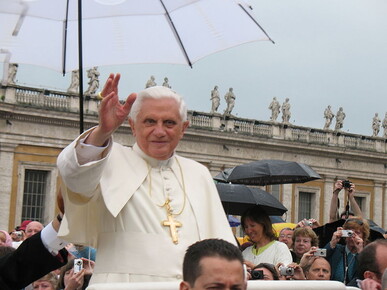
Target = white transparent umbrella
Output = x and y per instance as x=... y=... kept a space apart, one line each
x=65 y=35
x=116 y=32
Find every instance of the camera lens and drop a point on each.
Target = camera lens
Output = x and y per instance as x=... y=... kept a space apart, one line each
x=347 y=184
x=256 y=274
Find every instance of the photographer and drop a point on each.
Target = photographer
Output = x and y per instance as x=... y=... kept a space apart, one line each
x=343 y=258
x=293 y=271
x=349 y=189
x=303 y=239
x=71 y=280
x=315 y=266
x=264 y=271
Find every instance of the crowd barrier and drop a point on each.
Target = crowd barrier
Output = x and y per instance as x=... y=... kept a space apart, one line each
x=252 y=285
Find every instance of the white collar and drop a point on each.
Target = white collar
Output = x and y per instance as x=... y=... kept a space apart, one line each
x=152 y=161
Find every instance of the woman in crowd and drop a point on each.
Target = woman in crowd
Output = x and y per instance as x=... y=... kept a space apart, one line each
x=269 y=271
x=47 y=282
x=343 y=258
x=265 y=249
x=303 y=239
x=68 y=280
x=5 y=239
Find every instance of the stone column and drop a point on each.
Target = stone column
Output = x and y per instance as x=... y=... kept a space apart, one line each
x=287 y=198
x=216 y=123
x=6 y=165
x=230 y=125
x=378 y=204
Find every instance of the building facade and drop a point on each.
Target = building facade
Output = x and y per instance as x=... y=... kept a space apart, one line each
x=35 y=125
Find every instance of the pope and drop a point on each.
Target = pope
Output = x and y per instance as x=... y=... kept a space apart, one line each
x=140 y=206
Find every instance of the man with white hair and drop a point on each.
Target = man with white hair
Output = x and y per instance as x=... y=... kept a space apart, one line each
x=32 y=228
x=140 y=206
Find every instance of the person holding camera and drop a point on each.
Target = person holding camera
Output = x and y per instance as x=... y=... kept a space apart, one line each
x=72 y=279
x=303 y=240
x=343 y=258
x=349 y=189
x=315 y=265
x=293 y=271
x=311 y=223
x=264 y=271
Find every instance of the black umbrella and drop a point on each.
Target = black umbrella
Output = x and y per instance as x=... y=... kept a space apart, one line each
x=265 y=172
x=236 y=198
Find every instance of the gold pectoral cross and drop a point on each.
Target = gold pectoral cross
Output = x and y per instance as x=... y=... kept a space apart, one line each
x=171 y=223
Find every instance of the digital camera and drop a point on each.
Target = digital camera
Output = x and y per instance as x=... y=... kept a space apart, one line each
x=320 y=253
x=308 y=223
x=347 y=184
x=346 y=233
x=286 y=271
x=78 y=265
x=256 y=275
x=18 y=234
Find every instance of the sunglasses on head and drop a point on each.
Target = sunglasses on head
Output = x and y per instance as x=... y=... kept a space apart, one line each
x=359 y=222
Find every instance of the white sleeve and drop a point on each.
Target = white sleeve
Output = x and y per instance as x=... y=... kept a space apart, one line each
x=283 y=254
x=87 y=153
x=51 y=241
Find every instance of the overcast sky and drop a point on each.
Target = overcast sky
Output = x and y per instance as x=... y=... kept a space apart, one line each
x=326 y=52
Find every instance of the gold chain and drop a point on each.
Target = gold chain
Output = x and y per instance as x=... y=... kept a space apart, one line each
x=167 y=200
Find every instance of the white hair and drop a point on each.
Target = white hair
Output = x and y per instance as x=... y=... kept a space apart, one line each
x=158 y=92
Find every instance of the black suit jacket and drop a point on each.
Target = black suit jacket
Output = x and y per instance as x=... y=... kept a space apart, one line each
x=28 y=263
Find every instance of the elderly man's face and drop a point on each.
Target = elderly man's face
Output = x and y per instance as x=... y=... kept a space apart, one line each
x=286 y=237
x=158 y=127
x=218 y=273
x=33 y=228
x=320 y=270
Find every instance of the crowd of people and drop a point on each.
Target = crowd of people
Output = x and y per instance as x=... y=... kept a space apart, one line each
x=293 y=255
x=151 y=215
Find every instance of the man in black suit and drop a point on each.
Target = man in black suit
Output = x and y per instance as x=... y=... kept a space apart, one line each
x=35 y=257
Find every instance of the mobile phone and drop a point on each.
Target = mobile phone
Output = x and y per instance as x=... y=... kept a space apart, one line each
x=78 y=265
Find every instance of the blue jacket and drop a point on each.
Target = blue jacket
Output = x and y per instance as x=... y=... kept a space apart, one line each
x=337 y=259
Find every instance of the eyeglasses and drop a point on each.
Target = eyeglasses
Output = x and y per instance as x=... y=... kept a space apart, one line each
x=286 y=236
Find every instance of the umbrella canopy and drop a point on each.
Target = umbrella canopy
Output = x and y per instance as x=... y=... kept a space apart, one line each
x=65 y=35
x=116 y=32
x=236 y=198
x=265 y=172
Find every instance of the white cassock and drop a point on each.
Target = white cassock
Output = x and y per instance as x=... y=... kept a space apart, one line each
x=115 y=205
